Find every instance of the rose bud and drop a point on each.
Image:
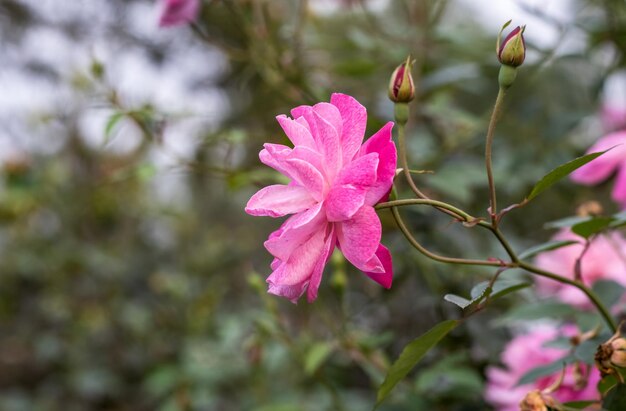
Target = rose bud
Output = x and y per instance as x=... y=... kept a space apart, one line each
x=401 y=87
x=512 y=51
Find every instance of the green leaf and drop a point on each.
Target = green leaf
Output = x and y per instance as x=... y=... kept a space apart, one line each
x=316 y=356
x=619 y=220
x=111 y=123
x=565 y=222
x=500 y=290
x=457 y=300
x=606 y=383
x=560 y=172
x=586 y=351
x=542 y=248
x=550 y=309
x=545 y=370
x=616 y=398
x=592 y=226
x=609 y=291
x=411 y=355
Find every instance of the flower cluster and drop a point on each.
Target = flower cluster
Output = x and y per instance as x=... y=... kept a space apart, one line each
x=603 y=260
x=528 y=351
x=335 y=182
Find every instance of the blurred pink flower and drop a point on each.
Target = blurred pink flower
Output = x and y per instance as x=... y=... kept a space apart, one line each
x=604 y=166
x=526 y=352
x=335 y=182
x=613 y=118
x=602 y=261
x=177 y=12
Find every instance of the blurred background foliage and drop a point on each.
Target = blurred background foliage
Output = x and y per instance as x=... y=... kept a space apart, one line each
x=130 y=285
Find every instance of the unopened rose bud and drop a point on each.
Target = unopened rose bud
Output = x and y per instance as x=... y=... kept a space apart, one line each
x=512 y=51
x=401 y=87
x=538 y=401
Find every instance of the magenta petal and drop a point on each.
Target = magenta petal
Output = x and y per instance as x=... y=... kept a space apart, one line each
x=328 y=145
x=602 y=167
x=331 y=114
x=347 y=195
x=279 y=200
x=307 y=176
x=316 y=276
x=176 y=12
x=299 y=266
x=275 y=155
x=619 y=189
x=354 y=117
x=294 y=232
x=297 y=133
x=381 y=142
x=359 y=237
x=290 y=292
x=385 y=278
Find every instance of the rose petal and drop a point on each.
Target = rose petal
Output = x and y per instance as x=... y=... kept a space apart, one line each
x=384 y=257
x=354 y=117
x=316 y=276
x=619 y=189
x=347 y=195
x=328 y=145
x=278 y=200
x=299 y=267
x=294 y=232
x=296 y=132
x=331 y=114
x=359 y=237
x=381 y=142
x=601 y=168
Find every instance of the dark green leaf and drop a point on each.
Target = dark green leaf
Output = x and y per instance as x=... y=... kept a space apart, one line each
x=411 y=355
x=560 y=172
x=537 y=311
x=111 y=123
x=565 y=222
x=616 y=398
x=542 y=248
x=586 y=351
x=545 y=370
x=609 y=291
x=592 y=226
x=606 y=383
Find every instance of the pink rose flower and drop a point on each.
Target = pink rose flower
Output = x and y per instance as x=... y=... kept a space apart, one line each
x=526 y=352
x=604 y=166
x=602 y=261
x=335 y=182
x=177 y=12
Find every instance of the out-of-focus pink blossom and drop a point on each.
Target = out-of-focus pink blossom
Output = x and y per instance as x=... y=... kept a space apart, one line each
x=606 y=165
x=335 y=182
x=613 y=118
x=177 y=12
x=603 y=260
x=526 y=352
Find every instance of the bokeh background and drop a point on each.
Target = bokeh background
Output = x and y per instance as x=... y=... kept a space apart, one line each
x=132 y=279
